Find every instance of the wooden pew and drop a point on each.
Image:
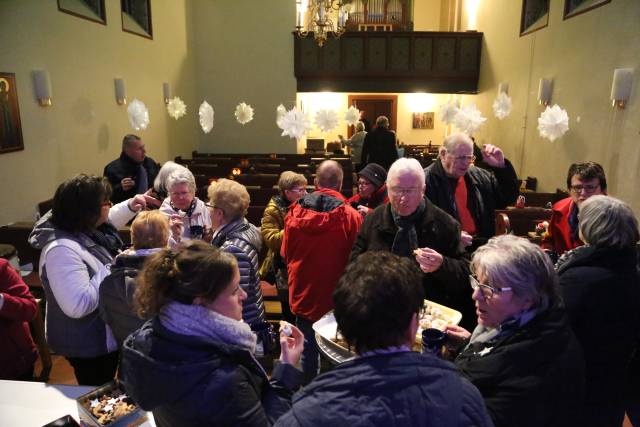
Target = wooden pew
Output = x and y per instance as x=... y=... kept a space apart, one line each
x=520 y=221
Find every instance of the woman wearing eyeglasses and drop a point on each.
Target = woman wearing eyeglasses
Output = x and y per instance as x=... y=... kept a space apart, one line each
x=78 y=238
x=522 y=356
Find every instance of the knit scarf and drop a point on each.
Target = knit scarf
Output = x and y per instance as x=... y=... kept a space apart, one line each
x=106 y=236
x=198 y=321
x=406 y=239
x=483 y=335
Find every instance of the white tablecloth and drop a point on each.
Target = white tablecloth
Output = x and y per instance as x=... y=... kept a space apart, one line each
x=32 y=404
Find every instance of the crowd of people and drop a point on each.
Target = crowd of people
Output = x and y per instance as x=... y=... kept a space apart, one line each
x=549 y=334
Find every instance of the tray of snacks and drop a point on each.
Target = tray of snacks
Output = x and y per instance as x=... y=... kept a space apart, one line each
x=335 y=348
x=109 y=405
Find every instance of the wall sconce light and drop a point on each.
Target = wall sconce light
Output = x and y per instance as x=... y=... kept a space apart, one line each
x=621 y=87
x=42 y=85
x=236 y=171
x=503 y=87
x=166 y=92
x=544 y=91
x=121 y=95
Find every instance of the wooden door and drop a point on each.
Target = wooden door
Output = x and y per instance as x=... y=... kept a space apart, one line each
x=375 y=106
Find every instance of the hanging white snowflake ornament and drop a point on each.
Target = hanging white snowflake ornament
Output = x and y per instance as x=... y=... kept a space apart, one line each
x=206 y=116
x=326 y=120
x=469 y=119
x=280 y=112
x=448 y=111
x=553 y=123
x=502 y=105
x=244 y=113
x=352 y=115
x=295 y=123
x=138 y=115
x=176 y=107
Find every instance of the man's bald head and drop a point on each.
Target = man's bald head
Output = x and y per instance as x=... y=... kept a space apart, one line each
x=329 y=175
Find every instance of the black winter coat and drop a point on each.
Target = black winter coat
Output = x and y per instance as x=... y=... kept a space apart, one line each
x=449 y=285
x=487 y=191
x=124 y=167
x=532 y=378
x=379 y=147
x=116 y=297
x=601 y=290
x=402 y=389
x=194 y=381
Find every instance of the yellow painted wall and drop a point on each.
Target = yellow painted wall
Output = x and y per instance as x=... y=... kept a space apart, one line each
x=579 y=54
x=244 y=52
x=426 y=15
x=83 y=129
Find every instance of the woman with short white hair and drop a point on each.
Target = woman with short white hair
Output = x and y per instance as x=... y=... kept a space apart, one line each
x=188 y=215
x=600 y=286
x=522 y=356
x=160 y=184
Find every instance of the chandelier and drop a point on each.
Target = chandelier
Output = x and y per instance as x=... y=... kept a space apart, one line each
x=317 y=15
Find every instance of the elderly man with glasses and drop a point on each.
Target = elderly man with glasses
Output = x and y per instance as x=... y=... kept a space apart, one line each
x=583 y=181
x=411 y=226
x=468 y=193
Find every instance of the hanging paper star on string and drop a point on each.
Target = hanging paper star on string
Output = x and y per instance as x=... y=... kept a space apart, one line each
x=176 y=108
x=205 y=112
x=326 y=120
x=244 y=113
x=553 y=123
x=469 y=119
x=502 y=105
x=138 y=115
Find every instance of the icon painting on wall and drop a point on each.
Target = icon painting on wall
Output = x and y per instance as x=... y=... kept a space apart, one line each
x=423 y=120
x=10 y=129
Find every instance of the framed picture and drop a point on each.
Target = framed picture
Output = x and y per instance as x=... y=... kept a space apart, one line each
x=91 y=10
x=535 y=16
x=10 y=128
x=423 y=120
x=576 y=7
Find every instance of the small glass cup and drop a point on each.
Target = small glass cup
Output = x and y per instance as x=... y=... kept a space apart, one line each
x=433 y=340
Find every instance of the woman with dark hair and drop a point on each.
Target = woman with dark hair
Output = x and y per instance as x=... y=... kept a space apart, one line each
x=78 y=238
x=372 y=189
x=192 y=364
x=600 y=285
x=522 y=356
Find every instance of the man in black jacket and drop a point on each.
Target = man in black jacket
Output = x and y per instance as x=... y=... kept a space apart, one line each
x=380 y=145
x=411 y=226
x=133 y=172
x=468 y=193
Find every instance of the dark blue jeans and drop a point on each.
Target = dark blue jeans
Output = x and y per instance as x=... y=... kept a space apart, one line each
x=310 y=359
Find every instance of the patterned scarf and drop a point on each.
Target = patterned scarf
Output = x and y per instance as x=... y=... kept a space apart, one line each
x=198 y=321
x=406 y=239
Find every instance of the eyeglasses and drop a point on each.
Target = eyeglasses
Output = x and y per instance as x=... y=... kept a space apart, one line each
x=298 y=189
x=463 y=159
x=180 y=193
x=404 y=191
x=487 y=291
x=363 y=183
x=587 y=188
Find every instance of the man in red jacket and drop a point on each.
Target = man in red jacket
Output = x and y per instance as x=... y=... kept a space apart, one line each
x=319 y=232
x=17 y=308
x=583 y=181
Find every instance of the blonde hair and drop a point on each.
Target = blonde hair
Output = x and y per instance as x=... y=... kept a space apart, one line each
x=289 y=179
x=230 y=196
x=150 y=230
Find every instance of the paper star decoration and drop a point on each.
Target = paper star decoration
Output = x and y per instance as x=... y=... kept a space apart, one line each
x=326 y=120
x=138 y=115
x=295 y=123
x=352 y=115
x=280 y=112
x=469 y=119
x=205 y=113
x=502 y=105
x=553 y=123
x=448 y=111
x=112 y=401
x=108 y=408
x=244 y=113
x=94 y=403
x=176 y=108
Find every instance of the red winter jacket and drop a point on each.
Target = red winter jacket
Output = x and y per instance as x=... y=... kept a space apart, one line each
x=378 y=198
x=319 y=232
x=17 y=350
x=559 y=239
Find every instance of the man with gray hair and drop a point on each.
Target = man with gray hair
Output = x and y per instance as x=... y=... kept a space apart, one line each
x=133 y=172
x=319 y=232
x=412 y=226
x=468 y=193
x=380 y=145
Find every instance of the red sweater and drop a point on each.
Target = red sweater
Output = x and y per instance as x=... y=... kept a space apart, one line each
x=17 y=349
x=319 y=232
x=559 y=239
